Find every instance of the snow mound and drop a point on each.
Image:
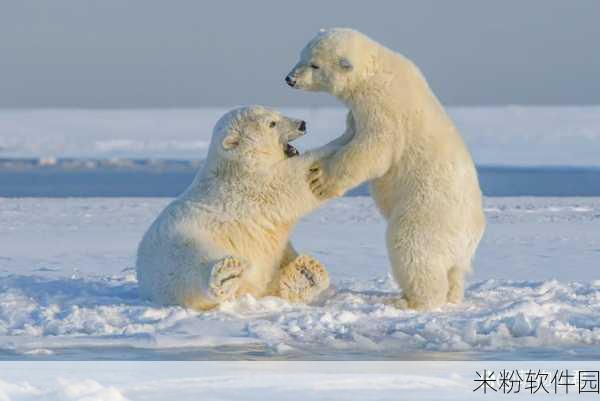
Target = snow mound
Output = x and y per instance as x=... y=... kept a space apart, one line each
x=64 y=390
x=358 y=317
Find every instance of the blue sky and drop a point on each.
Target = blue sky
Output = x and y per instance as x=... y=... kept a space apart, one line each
x=148 y=53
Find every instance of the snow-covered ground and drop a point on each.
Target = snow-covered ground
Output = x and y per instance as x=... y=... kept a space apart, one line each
x=508 y=136
x=68 y=290
x=284 y=381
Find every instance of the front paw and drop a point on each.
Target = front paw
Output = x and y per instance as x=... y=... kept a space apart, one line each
x=320 y=183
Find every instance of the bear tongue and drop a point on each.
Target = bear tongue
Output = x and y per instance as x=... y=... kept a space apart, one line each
x=291 y=151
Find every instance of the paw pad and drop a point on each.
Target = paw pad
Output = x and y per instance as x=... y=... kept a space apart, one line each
x=303 y=280
x=225 y=278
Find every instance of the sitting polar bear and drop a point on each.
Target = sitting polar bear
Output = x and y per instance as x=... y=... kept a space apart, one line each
x=227 y=234
x=421 y=174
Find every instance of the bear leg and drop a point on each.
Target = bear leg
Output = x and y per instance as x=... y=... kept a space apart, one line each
x=456 y=284
x=421 y=274
x=420 y=256
x=424 y=287
x=303 y=280
x=289 y=254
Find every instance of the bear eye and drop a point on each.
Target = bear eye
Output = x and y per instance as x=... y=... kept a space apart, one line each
x=314 y=66
x=272 y=124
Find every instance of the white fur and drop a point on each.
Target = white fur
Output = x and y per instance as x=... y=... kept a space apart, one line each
x=421 y=174
x=234 y=219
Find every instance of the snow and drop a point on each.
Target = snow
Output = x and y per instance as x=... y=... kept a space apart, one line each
x=219 y=381
x=506 y=136
x=106 y=133
x=68 y=289
x=285 y=381
x=84 y=390
x=281 y=386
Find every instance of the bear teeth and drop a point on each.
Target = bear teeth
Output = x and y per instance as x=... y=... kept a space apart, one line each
x=291 y=151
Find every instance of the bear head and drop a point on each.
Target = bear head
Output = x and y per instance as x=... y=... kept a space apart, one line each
x=334 y=61
x=254 y=137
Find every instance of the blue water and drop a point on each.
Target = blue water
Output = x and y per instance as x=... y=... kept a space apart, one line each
x=142 y=178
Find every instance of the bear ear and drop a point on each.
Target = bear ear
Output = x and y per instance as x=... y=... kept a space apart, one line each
x=231 y=141
x=346 y=64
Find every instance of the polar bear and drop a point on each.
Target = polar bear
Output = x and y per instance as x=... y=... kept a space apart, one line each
x=227 y=234
x=421 y=175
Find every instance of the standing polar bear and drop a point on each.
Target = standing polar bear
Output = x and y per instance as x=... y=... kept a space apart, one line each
x=421 y=174
x=227 y=234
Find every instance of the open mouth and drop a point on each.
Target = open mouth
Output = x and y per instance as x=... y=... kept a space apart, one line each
x=290 y=151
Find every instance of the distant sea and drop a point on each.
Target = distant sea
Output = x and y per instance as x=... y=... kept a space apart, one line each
x=168 y=178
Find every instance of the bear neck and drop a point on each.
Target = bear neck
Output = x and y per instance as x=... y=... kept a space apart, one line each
x=398 y=78
x=232 y=171
x=226 y=175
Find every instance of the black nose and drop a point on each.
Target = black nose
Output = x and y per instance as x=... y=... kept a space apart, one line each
x=302 y=126
x=290 y=81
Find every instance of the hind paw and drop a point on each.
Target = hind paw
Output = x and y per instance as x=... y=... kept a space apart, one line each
x=225 y=278
x=303 y=280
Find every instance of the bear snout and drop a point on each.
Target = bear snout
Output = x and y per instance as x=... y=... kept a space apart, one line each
x=302 y=126
x=290 y=81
